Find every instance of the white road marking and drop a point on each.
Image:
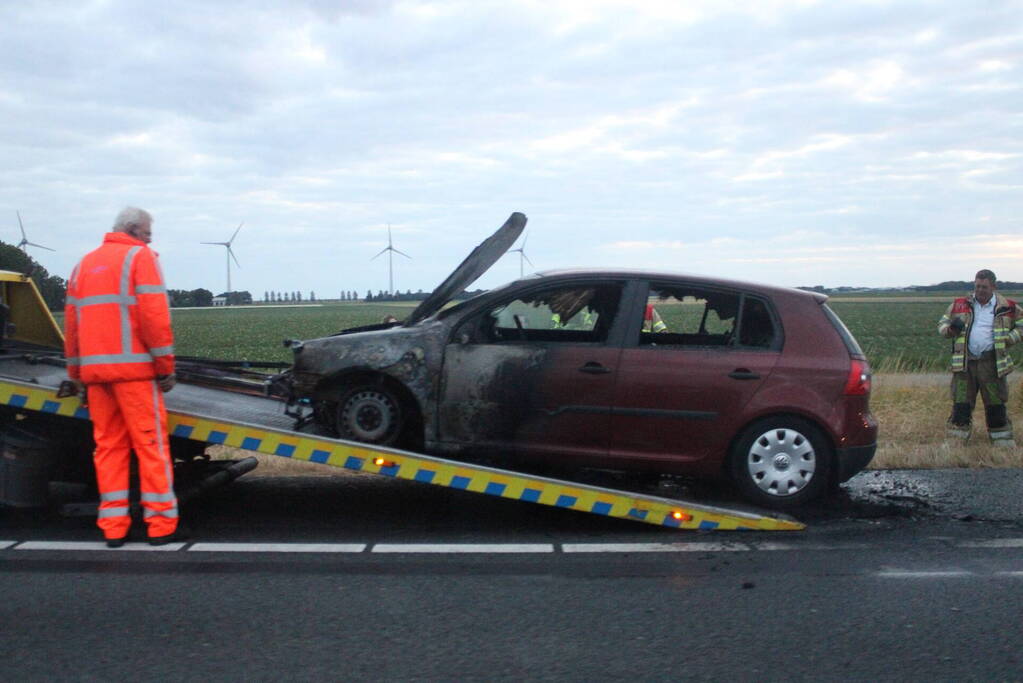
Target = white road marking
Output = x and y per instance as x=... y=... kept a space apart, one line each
x=278 y=547
x=899 y=574
x=779 y=546
x=498 y=548
x=994 y=543
x=1020 y=574
x=463 y=548
x=808 y=546
x=95 y=545
x=696 y=547
x=652 y=547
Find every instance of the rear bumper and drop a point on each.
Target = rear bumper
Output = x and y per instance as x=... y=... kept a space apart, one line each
x=853 y=459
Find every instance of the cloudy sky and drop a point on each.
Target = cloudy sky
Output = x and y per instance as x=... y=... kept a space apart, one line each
x=796 y=143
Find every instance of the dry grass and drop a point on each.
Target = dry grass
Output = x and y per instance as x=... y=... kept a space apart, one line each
x=911 y=410
x=910 y=407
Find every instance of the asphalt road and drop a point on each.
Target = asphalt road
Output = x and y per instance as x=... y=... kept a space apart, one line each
x=905 y=575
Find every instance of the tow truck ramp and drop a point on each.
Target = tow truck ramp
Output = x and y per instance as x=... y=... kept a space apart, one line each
x=254 y=423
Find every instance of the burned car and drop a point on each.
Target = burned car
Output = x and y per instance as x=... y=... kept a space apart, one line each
x=627 y=370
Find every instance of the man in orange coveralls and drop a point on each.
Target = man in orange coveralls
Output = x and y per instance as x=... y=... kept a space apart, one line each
x=119 y=344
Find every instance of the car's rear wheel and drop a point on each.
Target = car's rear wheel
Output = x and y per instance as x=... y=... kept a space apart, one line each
x=370 y=413
x=781 y=462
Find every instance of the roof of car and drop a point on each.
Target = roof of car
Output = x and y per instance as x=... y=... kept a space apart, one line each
x=688 y=277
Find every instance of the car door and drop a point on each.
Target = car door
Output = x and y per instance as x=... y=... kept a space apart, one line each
x=683 y=383
x=533 y=373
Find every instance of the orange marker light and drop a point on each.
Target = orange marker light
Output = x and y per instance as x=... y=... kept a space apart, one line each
x=681 y=516
x=380 y=462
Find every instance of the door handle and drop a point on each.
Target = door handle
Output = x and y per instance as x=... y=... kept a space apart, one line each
x=743 y=373
x=593 y=368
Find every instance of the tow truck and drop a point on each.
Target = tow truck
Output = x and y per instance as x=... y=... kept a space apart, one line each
x=47 y=437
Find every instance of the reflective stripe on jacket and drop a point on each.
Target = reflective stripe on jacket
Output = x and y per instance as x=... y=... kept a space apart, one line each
x=1006 y=330
x=652 y=320
x=117 y=323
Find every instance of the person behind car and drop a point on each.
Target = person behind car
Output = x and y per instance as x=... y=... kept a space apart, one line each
x=652 y=321
x=982 y=325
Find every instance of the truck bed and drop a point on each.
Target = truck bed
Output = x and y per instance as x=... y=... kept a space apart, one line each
x=193 y=399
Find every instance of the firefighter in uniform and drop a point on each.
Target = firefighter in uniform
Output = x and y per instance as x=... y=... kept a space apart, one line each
x=982 y=326
x=119 y=344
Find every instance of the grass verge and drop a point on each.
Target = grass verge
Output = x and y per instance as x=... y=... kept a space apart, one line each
x=911 y=410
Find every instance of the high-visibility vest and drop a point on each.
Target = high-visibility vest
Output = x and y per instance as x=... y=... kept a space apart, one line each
x=117 y=324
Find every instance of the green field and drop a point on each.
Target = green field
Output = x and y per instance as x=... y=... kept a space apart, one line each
x=898 y=336
x=902 y=335
x=257 y=334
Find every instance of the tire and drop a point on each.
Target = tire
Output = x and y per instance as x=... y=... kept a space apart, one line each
x=370 y=413
x=781 y=462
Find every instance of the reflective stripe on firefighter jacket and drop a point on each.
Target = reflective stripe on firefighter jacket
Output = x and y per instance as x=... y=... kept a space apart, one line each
x=586 y=321
x=1007 y=331
x=117 y=320
x=652 y=320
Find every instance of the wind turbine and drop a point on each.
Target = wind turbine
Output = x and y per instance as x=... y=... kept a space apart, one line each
x=390 y=259
x=24 y=240
x=522 y=254
x=230 y=254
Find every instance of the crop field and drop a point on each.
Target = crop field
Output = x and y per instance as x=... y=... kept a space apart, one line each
x=898 y=335
x=258 y=333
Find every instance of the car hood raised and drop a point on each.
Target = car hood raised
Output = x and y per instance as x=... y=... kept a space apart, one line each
x=470 y=270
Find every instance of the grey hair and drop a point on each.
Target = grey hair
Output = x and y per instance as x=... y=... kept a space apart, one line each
x=131 y=217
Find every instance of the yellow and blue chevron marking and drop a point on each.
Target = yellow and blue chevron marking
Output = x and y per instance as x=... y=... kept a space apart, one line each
x=425 y=469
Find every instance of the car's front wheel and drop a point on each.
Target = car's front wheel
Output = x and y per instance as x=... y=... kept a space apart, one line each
x=370 y=413
x=781 y=462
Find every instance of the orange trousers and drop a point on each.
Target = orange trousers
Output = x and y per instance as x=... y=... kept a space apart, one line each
x=126 y=416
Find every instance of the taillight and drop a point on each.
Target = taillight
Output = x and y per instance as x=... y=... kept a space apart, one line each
x=858 y=383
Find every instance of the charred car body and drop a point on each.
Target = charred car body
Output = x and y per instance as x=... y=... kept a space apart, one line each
x=607 y=369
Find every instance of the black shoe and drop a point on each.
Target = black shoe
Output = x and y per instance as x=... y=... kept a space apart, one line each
x=179 y=535
x=116 y=542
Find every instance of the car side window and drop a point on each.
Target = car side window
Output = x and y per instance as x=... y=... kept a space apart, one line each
x=683 y=315
x=571 y=313
x=756 y=328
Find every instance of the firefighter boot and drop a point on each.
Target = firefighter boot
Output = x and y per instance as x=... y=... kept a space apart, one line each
x=959 y=424
x=999 y=427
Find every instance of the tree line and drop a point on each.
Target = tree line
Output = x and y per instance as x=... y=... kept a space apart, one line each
x=199 y=298
x=415 y=296
x=53 y=288
x=282 y=297
x=962 y=285
x=947 y=286
x=272 y=297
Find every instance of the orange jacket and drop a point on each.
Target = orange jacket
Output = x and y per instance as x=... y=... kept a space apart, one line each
x=117 y=323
